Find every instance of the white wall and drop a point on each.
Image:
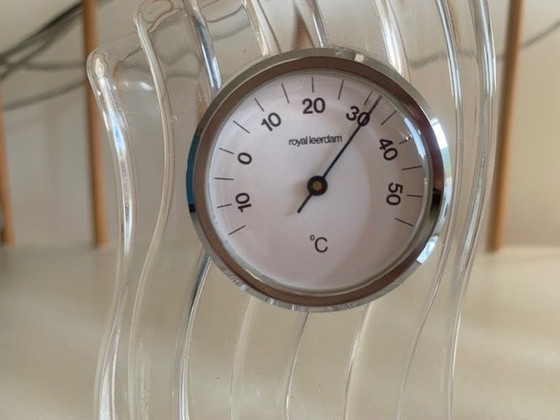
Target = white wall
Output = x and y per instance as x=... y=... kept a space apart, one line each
x=534 y=187
x=47 y=144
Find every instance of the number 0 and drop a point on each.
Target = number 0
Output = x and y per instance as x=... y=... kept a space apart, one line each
x=244 y=158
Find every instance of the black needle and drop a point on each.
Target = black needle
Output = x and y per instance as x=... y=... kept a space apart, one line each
x=322 y=179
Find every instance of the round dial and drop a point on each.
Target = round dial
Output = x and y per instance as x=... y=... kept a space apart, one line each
x=316 y=179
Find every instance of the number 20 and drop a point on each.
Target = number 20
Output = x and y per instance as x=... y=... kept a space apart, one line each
x=317 y=105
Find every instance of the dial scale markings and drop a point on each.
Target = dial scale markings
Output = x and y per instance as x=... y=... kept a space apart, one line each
x=321 y=164
x=236 y=230
x=240 y=126
x=340 y=90
x=389 y=117
x=412 y=167
x=367 y=98
x=295 y=107
x=259 y=105
x=285 y=93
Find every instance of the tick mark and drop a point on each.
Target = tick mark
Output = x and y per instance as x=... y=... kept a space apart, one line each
x=414 y=195
x=407 y=138
x=367 y=99
x=312 y=84
x=375 y=104
x=387 y=119
x=403 y=222
x=285 y=93
x=258 y=103
x=412 y=167
x=223 y=205
x=340 y=90
x=236 y=230
x=225 y=150
x=220 y=178
x=240 y=126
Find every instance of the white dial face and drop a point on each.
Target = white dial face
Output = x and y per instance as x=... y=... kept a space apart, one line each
x=317 y=181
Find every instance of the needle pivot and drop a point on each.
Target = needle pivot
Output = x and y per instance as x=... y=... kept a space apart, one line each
x=317 y=185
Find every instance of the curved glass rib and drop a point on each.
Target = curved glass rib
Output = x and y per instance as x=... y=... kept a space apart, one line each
x=120 y=77
x=287 y=391
x=276 y=363
x=271 y=22
x=457 y=188
x=239 y=375
x=356 y=346
x=484 y=165
x=262 y=28
x=450 y=269
x=309 y=11
x=396 y=56
x=150 y=31
x=281 y=352
x=105 y=400
x=381 y=351
x=318 y=380
x=206 y=47
x=394 y=46
x=393 y=53
x=264 y=352
x=139 y=358
x=226 y=36
x=363 y=27
x=180 y=381
x=173 y=272
x=214 y=73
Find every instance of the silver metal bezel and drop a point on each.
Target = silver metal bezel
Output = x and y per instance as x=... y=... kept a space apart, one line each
x=387 y=80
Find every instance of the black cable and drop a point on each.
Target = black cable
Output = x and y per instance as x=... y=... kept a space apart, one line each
x=11 y=68
x=54 y=66
x=77 y=83
x=50 y=94
x=67 y=16
x=63 y=18
x=45 y=37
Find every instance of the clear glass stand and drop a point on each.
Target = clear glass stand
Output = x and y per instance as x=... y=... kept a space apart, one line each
x=182 y=342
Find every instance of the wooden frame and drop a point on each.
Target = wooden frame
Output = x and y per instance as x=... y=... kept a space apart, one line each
x=94 y=133
x=7 y=235
x=505 y=125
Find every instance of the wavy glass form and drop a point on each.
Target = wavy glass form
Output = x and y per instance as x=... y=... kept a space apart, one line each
x=182 y=341
x=123 y=84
